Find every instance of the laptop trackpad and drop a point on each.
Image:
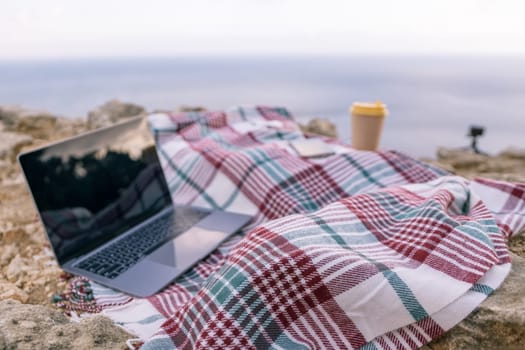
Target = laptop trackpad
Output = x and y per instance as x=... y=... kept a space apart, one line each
x=188 y=248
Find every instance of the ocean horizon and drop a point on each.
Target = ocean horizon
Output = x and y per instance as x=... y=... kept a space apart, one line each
x=432 y=100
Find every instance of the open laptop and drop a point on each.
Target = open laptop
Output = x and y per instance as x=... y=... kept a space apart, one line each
x=108 y=212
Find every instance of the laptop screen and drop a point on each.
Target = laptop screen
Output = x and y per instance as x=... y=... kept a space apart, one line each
x=92 y=188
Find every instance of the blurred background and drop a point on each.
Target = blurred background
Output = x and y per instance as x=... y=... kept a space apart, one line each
x=440 y=66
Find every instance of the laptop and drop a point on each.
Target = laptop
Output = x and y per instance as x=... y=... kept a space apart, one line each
x=109 y=214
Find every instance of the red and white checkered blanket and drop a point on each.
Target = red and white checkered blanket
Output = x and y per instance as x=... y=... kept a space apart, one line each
x=370 y=250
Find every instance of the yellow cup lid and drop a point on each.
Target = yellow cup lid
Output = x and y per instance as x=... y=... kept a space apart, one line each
x=376 y=109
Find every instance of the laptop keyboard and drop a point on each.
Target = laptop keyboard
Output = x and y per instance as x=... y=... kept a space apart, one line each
x=121 y=255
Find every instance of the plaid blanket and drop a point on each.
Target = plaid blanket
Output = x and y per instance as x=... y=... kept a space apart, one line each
x=369 y=250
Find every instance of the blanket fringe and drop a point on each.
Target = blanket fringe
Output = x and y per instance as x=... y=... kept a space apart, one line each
x=78 y=296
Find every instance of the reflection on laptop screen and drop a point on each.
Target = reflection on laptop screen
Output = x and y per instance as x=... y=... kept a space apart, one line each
x=94 y=187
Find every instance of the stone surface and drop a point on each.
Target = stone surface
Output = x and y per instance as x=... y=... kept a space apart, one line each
x=460 y=159
x=10 y=115
x=509 y=165
x=498 y=323
x=11 y=143
x=39 y=327
x=111 y=112
x=22 y=129
x=517 y=245
x=26 y=260
x=11 y=291
x=513 y=153
x=38 y=126
x=192 y=109
x=320 y=127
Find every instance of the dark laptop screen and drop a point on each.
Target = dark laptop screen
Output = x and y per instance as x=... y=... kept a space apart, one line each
x=94 y=187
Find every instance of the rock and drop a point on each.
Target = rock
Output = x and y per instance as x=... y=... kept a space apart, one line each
x=192 y=109
x=11 y=143
x=10 y=115
x=27 y=121
x=517 y=244
x=38 y=126
x=51 y=131
x=438 y=164
x=25 y=326
x=16 y=268
x=42 y=126
x=4 y=164
x=496 y=165
x=27 y=262
x=498 y=323
x=11 y=291
x=507 y=166
x=16 y=207
x=444 y=153
x=111 y=112
x=513 y=153
x=7 y=253
x=510 y=177
x=320 y=127
x=461 y=159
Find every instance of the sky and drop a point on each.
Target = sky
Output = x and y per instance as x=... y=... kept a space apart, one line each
x=36 y=29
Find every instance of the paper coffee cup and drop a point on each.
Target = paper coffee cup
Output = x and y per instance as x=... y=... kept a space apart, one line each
x=367 y=124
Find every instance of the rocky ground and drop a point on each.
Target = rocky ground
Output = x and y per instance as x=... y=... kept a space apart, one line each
x=29 y=276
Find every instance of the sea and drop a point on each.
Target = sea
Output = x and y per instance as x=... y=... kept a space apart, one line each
x=432 y=101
